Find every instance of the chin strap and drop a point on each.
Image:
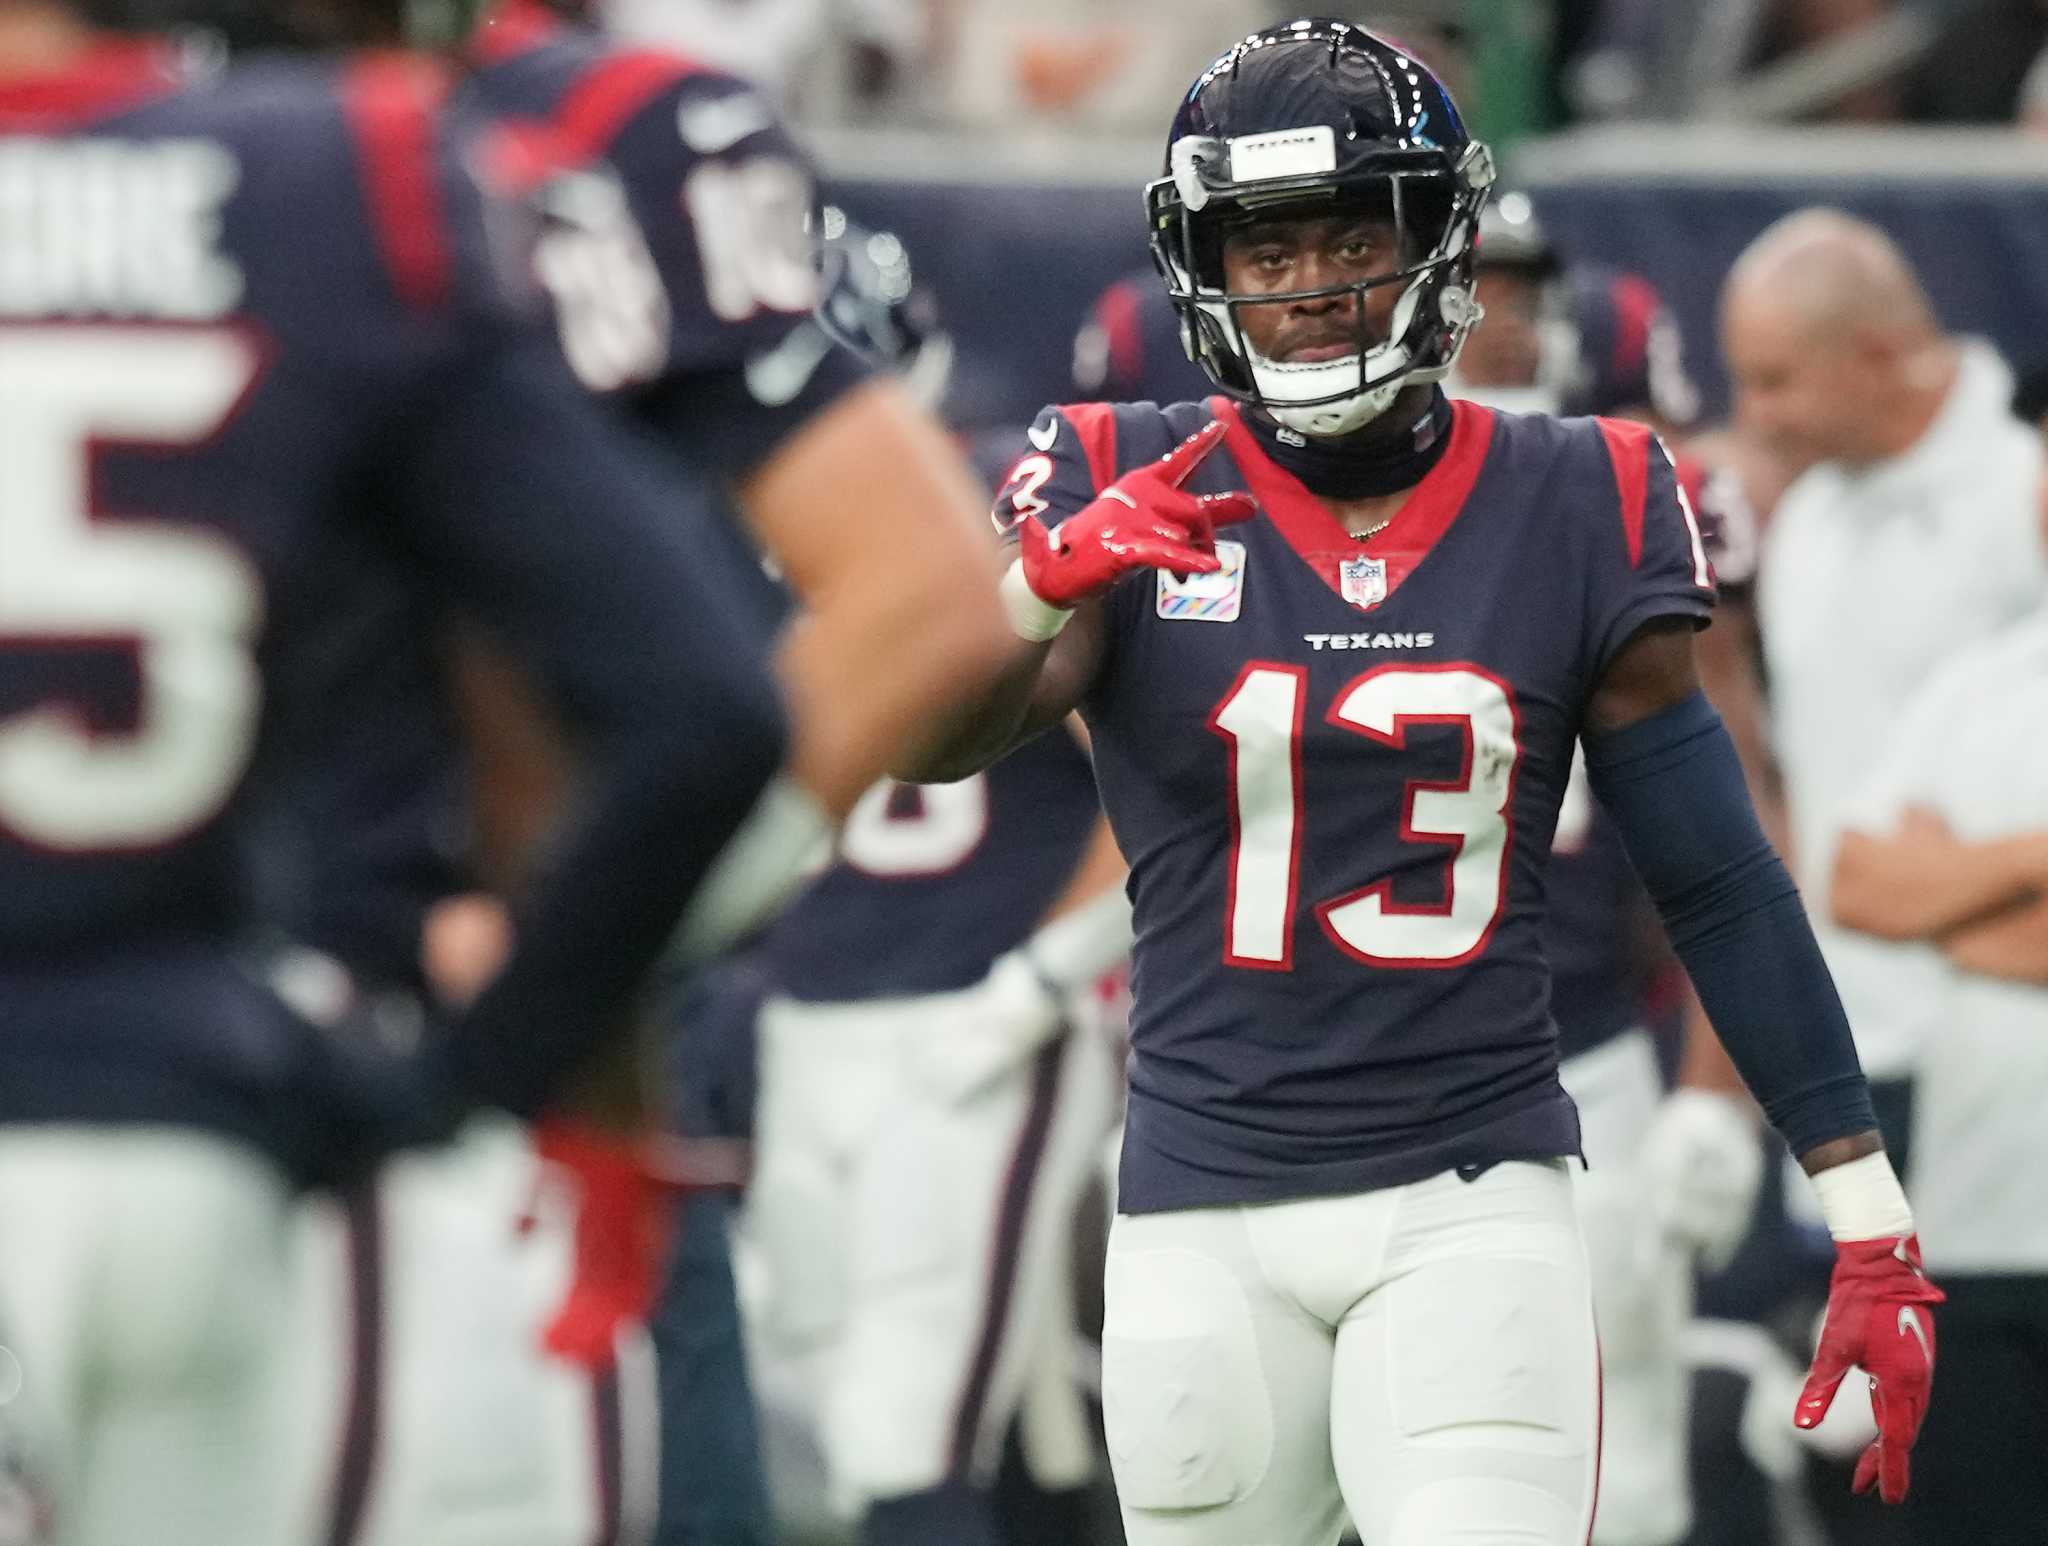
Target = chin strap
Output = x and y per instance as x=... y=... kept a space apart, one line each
x=1379 y=459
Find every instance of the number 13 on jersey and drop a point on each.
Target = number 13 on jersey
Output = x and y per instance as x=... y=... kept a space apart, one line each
x=1261 y=721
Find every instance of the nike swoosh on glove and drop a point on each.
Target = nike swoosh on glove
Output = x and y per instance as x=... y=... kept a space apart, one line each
x=1144 y=520
x=1879 y=1317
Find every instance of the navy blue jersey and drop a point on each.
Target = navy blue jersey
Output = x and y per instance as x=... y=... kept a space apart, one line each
x=933 y=882
x=1335 y=768
x=677 y=249
x=250 y=325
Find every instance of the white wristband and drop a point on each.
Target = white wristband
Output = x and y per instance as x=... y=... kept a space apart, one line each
x=1033 y=618
x=1862 y=1200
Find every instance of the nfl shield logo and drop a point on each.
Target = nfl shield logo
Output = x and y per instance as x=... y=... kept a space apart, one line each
x=1363 y=581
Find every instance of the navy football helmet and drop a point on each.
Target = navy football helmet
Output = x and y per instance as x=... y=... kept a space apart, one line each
x=1321 y=115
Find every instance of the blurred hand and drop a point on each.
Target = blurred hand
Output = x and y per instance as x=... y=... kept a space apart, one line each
x=1702 y=1165
x=464 y=943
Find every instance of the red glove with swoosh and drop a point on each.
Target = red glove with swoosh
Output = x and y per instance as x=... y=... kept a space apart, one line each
x=1144 y=520
x=1880 y=1318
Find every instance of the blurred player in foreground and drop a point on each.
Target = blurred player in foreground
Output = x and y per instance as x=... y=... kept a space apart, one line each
x=674 y=249
x=934 y=1091
x=290 y=304
x=1347 y=1272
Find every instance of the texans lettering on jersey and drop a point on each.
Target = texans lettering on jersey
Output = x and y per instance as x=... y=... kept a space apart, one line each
x=675 y=245
x=1337 y=855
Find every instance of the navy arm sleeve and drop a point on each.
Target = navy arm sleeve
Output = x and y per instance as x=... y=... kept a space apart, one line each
x=1674 y=787
x=587 y=559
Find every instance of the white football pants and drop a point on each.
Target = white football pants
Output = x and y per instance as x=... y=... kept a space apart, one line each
x=1421 y=1356
x=916 y=1249
x=476 y=1436
x=1642 y=1300
x=143 y=1296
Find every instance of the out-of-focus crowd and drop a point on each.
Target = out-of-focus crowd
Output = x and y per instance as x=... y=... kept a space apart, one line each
x=1519 y=65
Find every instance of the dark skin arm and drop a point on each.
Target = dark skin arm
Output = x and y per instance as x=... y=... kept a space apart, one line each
x=1654 y=671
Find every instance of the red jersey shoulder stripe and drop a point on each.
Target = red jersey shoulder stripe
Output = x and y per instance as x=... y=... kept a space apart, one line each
x=107 y=78
x=608 y=96
x=392 y=102
x=1095 y=423
x=1628 y=449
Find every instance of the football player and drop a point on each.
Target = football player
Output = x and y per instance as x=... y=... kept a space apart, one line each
x=1333 y=739
x=674 y=250
x=255 y=322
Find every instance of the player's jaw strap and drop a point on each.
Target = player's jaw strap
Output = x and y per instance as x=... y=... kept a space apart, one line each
x=1674 y=787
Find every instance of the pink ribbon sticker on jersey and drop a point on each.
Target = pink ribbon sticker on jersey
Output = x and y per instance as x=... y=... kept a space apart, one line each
x=1206 y=598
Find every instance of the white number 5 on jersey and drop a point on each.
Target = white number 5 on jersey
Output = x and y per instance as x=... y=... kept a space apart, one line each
x=190 y=604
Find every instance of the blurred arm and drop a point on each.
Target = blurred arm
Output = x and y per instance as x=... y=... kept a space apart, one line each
x=878 y=525
x=1920 y=882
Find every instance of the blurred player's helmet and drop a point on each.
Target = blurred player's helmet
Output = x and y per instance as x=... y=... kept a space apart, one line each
x=1511 y=237
x=1321 y=115
x=1626 y=353
x=874 y=306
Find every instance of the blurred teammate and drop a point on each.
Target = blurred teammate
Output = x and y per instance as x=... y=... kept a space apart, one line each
x=265 y=331
x=1347 y=1272
x=681 y=272
x=675 y=252
x=934 y=1090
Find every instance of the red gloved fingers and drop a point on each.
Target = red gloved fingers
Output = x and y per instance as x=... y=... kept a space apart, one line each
x=1218 y=510
x=1831 y=1361
x=1174 y=468
x=1180 y=557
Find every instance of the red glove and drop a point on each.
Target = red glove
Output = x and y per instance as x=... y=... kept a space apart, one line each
x=623 y=1224
x=1141 y=521
x=1879 y=1318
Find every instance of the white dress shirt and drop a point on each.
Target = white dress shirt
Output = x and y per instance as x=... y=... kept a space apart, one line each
x=1870 y=579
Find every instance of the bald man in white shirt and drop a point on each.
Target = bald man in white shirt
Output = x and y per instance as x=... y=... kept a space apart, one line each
x=1910 y=535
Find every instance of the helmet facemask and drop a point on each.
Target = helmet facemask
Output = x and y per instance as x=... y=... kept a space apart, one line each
x=1433 y=206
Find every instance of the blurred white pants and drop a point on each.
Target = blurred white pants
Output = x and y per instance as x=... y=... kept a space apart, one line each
x=916 y=1250
x=478 y=1436
x=143 y=1295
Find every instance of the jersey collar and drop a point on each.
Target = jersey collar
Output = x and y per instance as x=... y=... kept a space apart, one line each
x=1320 y=539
